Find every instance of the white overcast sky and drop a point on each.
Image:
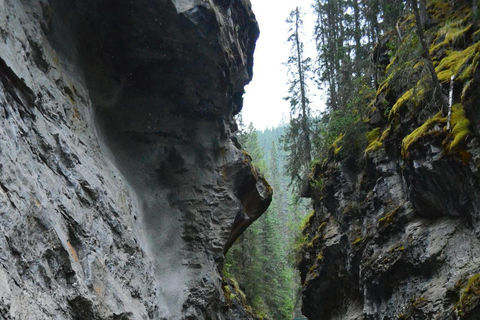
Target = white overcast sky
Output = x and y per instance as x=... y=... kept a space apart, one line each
x=263 y=101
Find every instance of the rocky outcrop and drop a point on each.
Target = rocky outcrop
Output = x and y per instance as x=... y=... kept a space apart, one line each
x=121 y=183
x=395 y=235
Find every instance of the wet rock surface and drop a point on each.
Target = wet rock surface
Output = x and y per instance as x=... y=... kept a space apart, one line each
x=121 y=184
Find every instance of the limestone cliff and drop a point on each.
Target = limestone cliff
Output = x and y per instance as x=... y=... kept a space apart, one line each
x=121 y=184
x=396 y=233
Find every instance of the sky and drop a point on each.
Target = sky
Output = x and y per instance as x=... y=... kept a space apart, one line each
x=263 y=104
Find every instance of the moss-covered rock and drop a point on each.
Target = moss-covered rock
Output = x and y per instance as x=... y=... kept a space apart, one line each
x=460 y=124
x=459 y=64
x=405 y=215
x=469 y=296
x=427 y=128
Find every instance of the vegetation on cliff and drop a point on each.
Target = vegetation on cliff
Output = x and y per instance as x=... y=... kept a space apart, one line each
x=397 y=132
x=394 y=97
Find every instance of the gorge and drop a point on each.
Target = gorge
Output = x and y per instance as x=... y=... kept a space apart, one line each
x=124 y=183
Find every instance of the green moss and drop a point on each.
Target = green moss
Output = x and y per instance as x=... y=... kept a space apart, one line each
x=319 y=257
x=239 y=293
x=469 y=70
x=400 y=63
x=465 y=89
x=476 y=33
x=386 y=133
x=450 y=32
x=316 y=185
x=400 y=248
x=453 y=144
x=322 y=226
x=440 y=9
x=373 y=135
x=336 y=145
x=228 y=294
x=390 y=64
x=468 y=73
x=69 y=90
x=385 y=84
x=447 y=10
x=422 y=131
x=358 y=240
x=307 y=220
x=247 y=155
x=300 y=243
x=232 y=291
x=373 y=140
x=312 y=243
x=469 y=296
x=419 y=64
x=375 y=145
x=460 y=129
x=388 y=218
x=460 y=64
x=414 y=95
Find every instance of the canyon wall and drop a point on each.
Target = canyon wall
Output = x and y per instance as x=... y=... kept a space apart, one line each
x=395 y=233
x=121 y=182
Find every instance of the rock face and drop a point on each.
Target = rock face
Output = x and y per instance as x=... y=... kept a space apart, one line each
x=121 y=184
x=396 y=235
x=377 y=253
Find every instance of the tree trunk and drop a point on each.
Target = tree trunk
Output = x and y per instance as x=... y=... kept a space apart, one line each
x=450 y=102
x=303 y=91
x=376 y=25
x=436 y=83
x=423 y=13
x=399 y=31
x=475 y=16
x=358 y=37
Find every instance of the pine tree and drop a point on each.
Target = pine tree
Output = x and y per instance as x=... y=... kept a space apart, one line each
x=297 y=139
x=280 y=202
x=250 y=143
x=258 y=259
